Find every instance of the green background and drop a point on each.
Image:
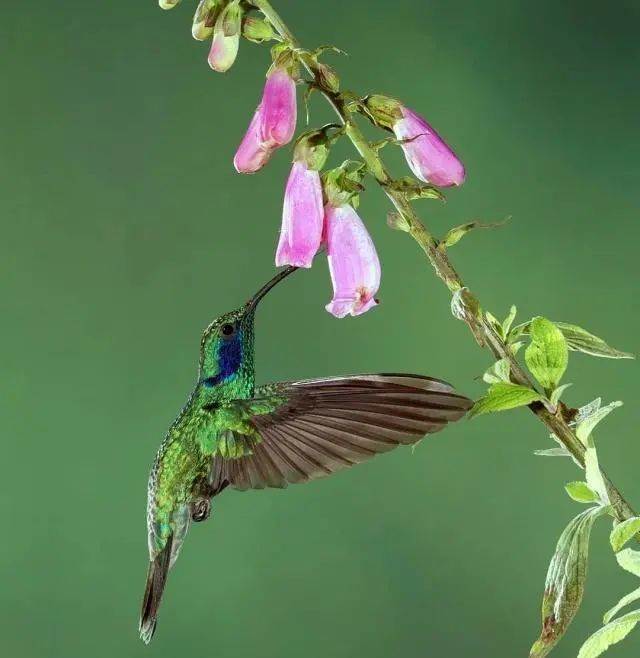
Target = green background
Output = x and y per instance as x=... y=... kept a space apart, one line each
x=125 y=230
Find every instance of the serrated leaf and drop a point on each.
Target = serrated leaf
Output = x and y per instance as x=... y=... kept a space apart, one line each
x=580 y=340
x=581 y=492
x=587 y=423
x=623 y=532
x=557 y=394
x=624 y=601
x=629 y=560
x=610 y=634
x=503 y=396
x=553 y=452
x=547 y=355
x=564 y=585
x=498 y=372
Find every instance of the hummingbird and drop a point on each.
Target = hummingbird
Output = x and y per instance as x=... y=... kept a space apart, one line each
x=232 y=433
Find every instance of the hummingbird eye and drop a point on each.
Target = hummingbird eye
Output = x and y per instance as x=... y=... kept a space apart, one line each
x=227 y=330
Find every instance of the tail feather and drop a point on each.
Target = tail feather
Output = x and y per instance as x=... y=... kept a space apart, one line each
x=156 y=580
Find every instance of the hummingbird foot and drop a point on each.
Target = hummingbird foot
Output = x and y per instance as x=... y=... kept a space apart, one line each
x=200 y=510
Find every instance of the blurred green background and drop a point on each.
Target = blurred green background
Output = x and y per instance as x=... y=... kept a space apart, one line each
x=125 y=230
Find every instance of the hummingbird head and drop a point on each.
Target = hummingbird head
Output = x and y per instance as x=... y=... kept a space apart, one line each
x=226 y=349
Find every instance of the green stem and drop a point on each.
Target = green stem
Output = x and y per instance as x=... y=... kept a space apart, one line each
x=439 y=259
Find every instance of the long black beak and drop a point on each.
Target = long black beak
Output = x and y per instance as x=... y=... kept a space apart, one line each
x=282 y=274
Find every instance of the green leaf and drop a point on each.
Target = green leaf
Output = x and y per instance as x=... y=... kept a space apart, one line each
x=553 y=452
x=593 y=472
x=624 y=601
x=456 y=234
x=581 y=340
x=508 y=321
x=629 y=560
x=494 y=322
x=578 y=340
x=610 y=634
x=557 y=394
x=547 y=356
x=503 y=396
x=592 y=416
x=623 y=532
x=581 y=492
x=499 y=372
x=564 y=585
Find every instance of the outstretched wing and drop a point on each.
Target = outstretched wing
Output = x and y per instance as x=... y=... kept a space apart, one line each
x=312 y=428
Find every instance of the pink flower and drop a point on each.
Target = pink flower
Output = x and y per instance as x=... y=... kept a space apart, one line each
x=429 y=157
x=279 y=108
x=302 y=217
x=353 y=262
x=273 y=124
x=252 y=154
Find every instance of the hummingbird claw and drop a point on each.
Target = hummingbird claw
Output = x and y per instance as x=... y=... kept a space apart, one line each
x=200 y=510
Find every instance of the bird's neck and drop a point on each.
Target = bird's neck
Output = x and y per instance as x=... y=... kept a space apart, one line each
x=238 y=386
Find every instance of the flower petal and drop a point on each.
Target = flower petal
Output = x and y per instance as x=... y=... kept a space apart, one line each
x=302 y=218
x=279 y=104
x=353 y=262
x=252 y=154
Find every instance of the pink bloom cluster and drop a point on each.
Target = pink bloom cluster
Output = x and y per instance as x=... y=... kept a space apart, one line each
x=312 y=217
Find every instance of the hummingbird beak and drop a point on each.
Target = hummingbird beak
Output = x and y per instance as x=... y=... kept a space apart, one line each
x=282 y=274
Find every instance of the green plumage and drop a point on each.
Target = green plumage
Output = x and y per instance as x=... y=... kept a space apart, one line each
x=232 y=434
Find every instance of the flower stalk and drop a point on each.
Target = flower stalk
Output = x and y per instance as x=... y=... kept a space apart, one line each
x=486 y=335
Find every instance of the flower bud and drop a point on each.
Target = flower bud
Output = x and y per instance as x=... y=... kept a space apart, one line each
x=429 y=157
x=384 y=110
x=353 y=262
x=328 y=78
x=226 y=38
x=204 y=19
x=168 y=4
x=302 y=217
x=257 y=29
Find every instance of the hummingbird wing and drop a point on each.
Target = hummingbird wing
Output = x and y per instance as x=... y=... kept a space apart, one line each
x=312 y=428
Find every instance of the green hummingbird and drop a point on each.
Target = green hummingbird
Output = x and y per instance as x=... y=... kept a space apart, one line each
x=231 y=433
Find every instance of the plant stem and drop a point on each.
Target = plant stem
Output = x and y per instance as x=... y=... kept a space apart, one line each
x=439 y=259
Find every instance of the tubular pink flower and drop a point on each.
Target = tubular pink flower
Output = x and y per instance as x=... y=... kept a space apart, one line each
x=302 y=218
x=252 y=154
x=429 y=157
x=273 y=124
x=279 y=108
x=353 y=262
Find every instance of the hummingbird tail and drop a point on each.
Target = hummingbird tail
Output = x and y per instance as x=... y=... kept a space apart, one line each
x=156 y=580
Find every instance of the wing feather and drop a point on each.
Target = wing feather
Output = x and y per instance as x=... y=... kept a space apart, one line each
x=320 y=426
